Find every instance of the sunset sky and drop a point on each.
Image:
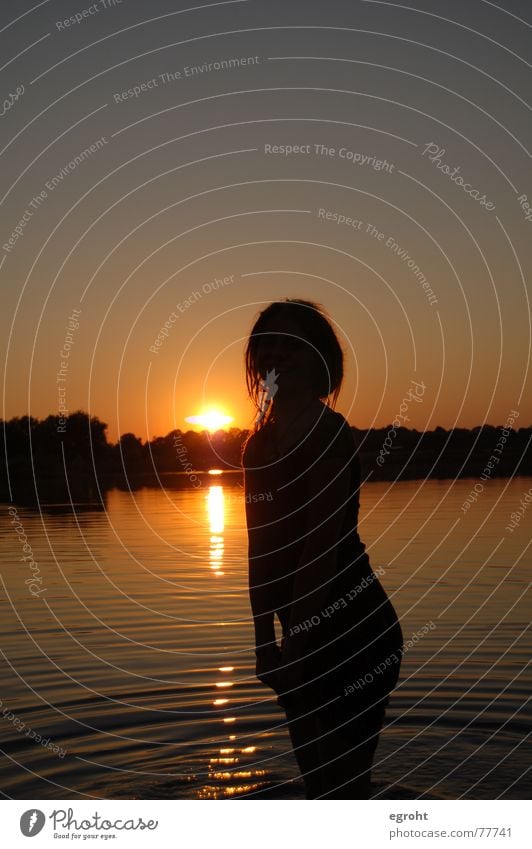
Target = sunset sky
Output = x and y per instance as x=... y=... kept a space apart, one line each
x=188 y=210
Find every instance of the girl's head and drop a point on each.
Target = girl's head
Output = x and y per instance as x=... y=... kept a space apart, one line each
x=295 y=339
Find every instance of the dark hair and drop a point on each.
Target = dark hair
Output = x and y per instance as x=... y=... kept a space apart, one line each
x=315 y=329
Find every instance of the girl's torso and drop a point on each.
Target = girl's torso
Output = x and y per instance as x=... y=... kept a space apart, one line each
x=357 y=628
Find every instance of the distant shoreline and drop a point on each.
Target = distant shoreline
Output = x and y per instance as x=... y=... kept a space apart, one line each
x=59 y=460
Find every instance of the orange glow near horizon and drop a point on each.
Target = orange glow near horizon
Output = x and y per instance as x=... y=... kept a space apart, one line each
x=211 y=419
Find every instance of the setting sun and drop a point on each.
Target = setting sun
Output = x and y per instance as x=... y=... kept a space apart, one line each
x=211 y=419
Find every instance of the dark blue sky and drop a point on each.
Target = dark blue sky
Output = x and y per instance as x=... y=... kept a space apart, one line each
x=372 y=156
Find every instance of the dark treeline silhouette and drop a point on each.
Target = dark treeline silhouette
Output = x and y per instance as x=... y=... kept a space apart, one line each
x=76 y=461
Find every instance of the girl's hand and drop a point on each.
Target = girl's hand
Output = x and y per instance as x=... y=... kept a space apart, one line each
x=291 y=674
x=266 y=669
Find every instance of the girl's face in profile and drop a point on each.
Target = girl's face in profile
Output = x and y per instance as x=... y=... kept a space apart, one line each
x=283 y=348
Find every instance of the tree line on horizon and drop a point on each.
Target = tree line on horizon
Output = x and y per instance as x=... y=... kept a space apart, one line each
x=81 y=459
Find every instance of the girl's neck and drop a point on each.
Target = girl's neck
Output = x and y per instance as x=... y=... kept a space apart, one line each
x=285 y=409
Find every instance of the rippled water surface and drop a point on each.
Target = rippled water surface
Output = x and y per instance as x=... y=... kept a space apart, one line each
x=135 y=660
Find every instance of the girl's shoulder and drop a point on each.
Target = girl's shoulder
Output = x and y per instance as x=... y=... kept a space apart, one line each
x=331 y=436
x=252 y=448
x=328 y=435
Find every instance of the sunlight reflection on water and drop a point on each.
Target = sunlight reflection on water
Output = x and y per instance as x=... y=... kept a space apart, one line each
x=138 y=658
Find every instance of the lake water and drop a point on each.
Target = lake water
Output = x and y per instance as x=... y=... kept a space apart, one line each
x=135 y=658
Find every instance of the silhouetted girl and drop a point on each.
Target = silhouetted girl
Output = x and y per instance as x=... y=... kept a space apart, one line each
x=341 y=643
